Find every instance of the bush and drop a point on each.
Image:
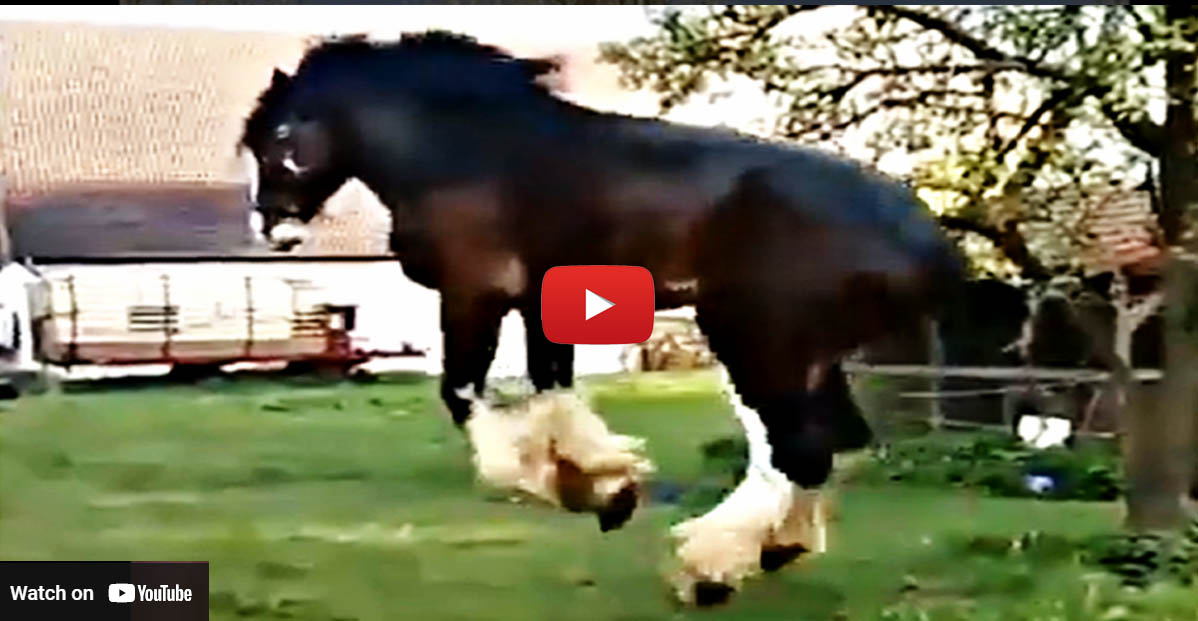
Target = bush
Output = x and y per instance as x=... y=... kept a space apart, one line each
x=999 y=465
x=1140 y=559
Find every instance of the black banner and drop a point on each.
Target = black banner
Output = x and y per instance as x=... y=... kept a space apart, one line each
x=116 y=591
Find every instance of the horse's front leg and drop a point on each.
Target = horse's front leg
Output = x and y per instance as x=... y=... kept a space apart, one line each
x=552 y=445
x=470 y=327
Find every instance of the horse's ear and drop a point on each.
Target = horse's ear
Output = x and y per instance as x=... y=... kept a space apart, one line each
x=540 y=67
x=279 y=78
x=546 y=71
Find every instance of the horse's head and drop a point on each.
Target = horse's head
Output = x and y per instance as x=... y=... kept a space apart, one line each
x=395 y=112
x=296 y=164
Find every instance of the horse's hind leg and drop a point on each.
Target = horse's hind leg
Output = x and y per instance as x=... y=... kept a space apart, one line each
x=794 y=406
x=766 y=522
x=550 y=364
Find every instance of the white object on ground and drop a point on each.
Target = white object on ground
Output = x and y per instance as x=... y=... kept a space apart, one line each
x=1044 y=431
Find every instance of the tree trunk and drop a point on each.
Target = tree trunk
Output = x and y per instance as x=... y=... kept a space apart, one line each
x=1159 y=421
x=1161 y=428
x=5 y=243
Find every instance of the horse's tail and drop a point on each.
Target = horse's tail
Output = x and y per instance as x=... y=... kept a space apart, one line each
x=944 y=266
x=919 y=234
x=947 y=269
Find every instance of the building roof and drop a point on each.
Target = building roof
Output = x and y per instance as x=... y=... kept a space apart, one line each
x=128 y=104
x=126 y=109
x=1122 y=233
x=94 y=220
x=1103 y=229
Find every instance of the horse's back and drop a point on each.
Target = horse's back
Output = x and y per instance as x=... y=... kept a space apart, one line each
x=844 y=254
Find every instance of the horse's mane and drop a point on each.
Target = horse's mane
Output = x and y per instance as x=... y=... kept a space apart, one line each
x=435 y=66
x=439 y=44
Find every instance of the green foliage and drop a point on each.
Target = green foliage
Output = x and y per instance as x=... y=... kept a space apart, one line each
x=999 y=109
x=1140 y=559
x=995 y=464
x=998 y=465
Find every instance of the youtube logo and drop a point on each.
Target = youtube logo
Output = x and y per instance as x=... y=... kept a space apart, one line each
x=597 y=304
x=121 y=593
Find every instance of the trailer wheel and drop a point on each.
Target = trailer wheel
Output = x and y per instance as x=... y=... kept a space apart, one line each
x=320 y=369
x=192 y=372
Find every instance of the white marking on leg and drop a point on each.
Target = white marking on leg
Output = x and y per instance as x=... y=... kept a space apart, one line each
x=519 y=447
x=465 y=392
x=724 y=545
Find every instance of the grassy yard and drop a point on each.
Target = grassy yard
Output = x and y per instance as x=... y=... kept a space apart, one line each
x=357 y=501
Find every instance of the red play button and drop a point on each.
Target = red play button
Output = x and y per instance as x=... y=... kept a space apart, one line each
x=597 y=304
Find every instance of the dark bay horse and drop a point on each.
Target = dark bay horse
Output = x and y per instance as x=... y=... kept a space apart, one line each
x=791 y=257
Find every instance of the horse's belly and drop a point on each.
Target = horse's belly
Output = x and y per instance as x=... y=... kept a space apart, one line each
x=665 y=246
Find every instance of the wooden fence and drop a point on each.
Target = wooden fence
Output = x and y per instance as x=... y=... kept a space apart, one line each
x=1020 y=381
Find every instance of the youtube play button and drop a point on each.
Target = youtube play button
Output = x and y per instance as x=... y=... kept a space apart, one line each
x=597 y=304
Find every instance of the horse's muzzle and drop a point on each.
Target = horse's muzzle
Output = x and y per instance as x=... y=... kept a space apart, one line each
x=284 y=245
x=285 y=236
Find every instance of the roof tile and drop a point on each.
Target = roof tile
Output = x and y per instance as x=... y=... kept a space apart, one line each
x=136 y=105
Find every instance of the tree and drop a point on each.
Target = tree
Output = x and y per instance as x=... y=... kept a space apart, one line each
x=999 y=111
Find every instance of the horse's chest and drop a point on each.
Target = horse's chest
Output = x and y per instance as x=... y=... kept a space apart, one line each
x=467 y=234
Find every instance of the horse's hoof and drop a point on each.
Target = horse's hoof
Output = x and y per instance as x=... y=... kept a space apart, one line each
x=708 y=593
x=619 y=509
x=777 y=557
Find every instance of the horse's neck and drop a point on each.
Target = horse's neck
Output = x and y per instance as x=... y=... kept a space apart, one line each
x=401 y=181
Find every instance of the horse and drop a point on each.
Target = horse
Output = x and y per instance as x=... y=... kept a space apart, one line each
x=791 y=257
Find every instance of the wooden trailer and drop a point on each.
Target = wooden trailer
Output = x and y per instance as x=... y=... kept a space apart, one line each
x=148 y=316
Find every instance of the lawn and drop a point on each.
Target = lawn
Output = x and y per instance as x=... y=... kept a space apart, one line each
x=357 y=501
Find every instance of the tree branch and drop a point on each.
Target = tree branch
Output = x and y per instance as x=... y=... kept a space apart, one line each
x=1058 y=97
x=914 y=101
x=1007 y=239
x=979 y=48
x=1142 y=134
x=966 y=225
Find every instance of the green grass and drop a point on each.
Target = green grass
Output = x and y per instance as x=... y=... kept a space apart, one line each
x=357 y=501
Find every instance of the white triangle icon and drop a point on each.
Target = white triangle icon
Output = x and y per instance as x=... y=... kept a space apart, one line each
x=596 y=304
